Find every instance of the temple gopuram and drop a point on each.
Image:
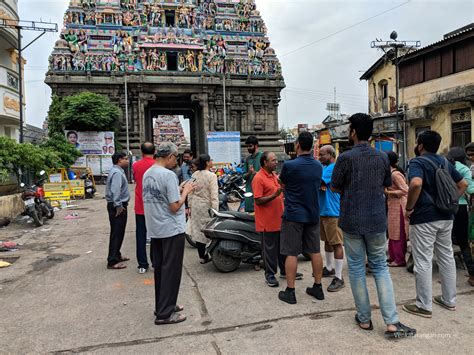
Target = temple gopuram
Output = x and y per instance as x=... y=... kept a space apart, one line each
x=177 y=57
x=168 y=128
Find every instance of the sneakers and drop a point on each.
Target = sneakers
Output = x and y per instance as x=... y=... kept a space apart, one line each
x=287 y=296
x=439 y=301
x=142 y=270
x=336 y=285
x=327 y=273
x=414 y=309
x=316 y=291
x=299 y=276
x=271 y=281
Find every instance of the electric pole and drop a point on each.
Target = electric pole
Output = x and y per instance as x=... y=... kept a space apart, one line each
x=398 y=49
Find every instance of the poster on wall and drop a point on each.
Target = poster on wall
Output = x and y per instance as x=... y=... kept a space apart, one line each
x=224 y=147
x=99 y=164
x=95 y=143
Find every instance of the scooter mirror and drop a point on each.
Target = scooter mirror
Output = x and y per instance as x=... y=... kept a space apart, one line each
x=22 y=184
x=42 y=172
x=248 y=194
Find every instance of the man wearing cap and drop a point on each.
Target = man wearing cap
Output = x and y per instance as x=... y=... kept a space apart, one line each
x=166 y=224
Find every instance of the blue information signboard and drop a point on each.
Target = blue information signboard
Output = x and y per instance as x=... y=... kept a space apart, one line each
x=224 y=147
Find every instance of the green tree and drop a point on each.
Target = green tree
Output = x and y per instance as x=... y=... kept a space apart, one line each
x=85 y=111
x=19 y=159
x=65 y=151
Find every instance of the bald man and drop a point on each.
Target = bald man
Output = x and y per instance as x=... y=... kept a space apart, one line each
x=329 y=202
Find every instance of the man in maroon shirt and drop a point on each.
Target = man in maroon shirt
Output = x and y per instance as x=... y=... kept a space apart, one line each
x=139 y=169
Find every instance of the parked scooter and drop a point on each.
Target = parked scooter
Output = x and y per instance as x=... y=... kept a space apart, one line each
x=233 y=239
x=35 y=204
x=88 y=185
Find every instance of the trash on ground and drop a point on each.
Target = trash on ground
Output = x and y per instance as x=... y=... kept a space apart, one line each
x=4 y=264
x=88 y=252
x=73 y=215
x=45 y=229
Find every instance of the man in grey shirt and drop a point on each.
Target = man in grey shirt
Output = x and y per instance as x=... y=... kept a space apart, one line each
x=117 y=197
x=166 y=223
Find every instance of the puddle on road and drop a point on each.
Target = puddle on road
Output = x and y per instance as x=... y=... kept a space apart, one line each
x=51 y=260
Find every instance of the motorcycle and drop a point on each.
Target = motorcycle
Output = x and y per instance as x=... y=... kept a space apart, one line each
x=35 y=204
x=88 y=186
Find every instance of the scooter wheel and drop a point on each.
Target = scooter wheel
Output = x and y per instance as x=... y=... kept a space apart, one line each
x=223 y=262
x=191 y=241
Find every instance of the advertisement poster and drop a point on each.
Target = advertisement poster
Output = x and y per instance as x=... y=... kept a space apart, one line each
x=224 y=147
x=96 y=143
x=99 y=164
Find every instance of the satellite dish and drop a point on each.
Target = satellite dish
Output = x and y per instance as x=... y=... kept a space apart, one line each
x=394 y=35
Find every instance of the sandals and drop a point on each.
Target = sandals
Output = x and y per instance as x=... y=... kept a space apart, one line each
x=173 y=319
x=124 y=258
x=206 y=260
x=370 y=327
x=402 y=332
x=394 y=264
x=118 y=266
x=177 y=309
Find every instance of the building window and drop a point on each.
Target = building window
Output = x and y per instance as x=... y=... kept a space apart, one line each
x=419 y=130
x=12 y=81
x=170 y=18
x=383 y=87
x=172 y=60
x=461 y=127
x=8 y=132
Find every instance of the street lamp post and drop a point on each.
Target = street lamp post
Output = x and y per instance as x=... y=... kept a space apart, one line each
x=399 y=49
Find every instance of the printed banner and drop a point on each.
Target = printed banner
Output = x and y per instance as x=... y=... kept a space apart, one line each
x=97 y=143
x=224 y=147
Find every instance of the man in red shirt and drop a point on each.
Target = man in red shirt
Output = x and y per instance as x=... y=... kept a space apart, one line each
x=268 y=212
x=139 y=169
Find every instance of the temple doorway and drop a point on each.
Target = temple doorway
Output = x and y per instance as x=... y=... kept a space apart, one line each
x=163 y=123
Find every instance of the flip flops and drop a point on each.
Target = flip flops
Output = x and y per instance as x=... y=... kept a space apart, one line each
x=402 y=331
x=370 y=327
x=177 y=309
x=173 y=319
x=118 y=266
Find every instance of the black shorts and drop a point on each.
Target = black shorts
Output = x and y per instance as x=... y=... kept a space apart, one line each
x=298 y=238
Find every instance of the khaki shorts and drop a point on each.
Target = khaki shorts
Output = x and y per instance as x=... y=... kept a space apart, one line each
x=329 y=231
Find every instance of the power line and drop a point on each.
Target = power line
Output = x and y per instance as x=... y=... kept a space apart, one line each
x=352 y=96
x=328 y=98
x=344 y=29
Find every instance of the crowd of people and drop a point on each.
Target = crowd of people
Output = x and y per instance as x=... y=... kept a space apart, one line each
x=353 y=203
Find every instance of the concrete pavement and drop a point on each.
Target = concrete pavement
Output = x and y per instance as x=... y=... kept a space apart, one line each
x=58 y=296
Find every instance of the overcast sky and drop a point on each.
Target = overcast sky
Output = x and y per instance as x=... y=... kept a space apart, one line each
x=322 y=45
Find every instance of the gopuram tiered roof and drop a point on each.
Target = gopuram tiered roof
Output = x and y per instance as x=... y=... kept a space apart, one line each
x=205 y=36
x=207 y=60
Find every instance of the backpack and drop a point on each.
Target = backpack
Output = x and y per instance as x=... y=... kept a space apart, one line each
x=447 y=196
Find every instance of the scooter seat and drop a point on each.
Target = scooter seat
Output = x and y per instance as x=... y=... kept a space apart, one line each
x=240 y=215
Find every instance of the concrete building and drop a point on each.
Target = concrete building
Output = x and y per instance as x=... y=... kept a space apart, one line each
x=436 y=92
x=437 y=89
x=9 y=84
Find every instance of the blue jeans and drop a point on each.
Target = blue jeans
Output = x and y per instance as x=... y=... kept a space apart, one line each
x=357 y=247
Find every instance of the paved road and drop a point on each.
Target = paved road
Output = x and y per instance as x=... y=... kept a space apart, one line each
x=59 y=297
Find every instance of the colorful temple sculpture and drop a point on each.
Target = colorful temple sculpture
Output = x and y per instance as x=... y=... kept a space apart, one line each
x=168 y=128
x=177 y=56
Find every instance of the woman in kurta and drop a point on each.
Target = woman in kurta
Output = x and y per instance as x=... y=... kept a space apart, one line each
x=397 y=221
x=458 y=158
x=204 y=197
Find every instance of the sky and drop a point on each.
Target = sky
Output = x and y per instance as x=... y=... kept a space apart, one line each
x=322 y=45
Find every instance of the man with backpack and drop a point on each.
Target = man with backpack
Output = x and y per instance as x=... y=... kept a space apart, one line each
x=435 y=187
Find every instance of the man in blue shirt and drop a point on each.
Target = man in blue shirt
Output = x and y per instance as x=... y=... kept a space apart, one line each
x=301 y=180
x=430 y=228
x=330 y=202
x=361 y=176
